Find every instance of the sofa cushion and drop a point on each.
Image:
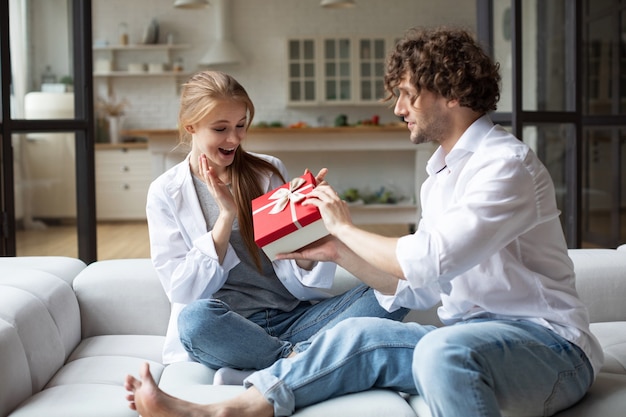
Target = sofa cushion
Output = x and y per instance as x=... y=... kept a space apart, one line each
x=606 y=398
x=15 y=382
x=43 y=346
x=55 y=294
x=184 y=374
x=147 y=347
x=375 y=402
x=122 y=297
x=103 y=370
x=612 y=337
x=91 y=387
x=77 y=400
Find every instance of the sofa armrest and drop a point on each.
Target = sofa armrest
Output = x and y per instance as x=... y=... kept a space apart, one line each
x=601 y=282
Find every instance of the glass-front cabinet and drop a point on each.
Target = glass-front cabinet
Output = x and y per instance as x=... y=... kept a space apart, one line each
x=337 y=70
x=341 y=70
x=372 y=54
x=302 y=74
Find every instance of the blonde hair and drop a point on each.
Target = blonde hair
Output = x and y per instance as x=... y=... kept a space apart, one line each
x=202 y=92
x=199 y=96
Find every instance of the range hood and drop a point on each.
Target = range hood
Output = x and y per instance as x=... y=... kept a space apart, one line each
x=222 y=51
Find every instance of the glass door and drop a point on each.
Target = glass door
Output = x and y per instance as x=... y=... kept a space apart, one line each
x=535 y=43
x=604 y=104
x=48 y=199
x=564 y=93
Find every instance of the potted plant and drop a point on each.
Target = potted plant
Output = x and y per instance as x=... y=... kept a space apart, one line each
x=113 y=110
x=68 y=81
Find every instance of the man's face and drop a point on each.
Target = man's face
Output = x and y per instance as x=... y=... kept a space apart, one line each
x=425 y=113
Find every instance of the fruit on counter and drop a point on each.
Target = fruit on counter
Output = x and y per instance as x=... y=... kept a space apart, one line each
x=374 y=121
x=298 y=125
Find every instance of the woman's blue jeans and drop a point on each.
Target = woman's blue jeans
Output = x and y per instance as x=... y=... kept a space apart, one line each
x=218 y=337
x=477 y=368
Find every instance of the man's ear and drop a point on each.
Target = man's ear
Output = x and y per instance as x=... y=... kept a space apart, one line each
x=190 y=129
x=452 y=103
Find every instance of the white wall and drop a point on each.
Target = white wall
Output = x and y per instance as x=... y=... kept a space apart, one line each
x=260 y=29
x=48 y=38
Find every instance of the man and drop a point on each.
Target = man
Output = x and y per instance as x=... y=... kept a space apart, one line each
x=489 y=247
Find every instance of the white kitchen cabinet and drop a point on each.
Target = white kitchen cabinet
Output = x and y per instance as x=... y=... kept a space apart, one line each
x=336 y=70
x=123 y=175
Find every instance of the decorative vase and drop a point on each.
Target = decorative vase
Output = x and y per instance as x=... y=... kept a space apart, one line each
x=115 y=127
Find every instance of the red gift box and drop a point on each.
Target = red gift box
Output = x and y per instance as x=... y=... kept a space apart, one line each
x=281 y=223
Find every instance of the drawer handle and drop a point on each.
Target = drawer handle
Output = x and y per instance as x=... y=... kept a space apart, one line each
x=126 y=187
x=125 y=168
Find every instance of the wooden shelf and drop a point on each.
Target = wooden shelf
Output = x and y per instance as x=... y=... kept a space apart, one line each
x=141 y=47
x=142 y=74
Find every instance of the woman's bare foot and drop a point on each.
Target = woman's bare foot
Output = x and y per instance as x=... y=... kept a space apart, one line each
x=149 y=401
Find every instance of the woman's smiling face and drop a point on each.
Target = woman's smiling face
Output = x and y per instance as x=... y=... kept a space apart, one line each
x=219 y=133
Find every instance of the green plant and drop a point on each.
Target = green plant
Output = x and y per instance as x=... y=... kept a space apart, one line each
x=67 y=80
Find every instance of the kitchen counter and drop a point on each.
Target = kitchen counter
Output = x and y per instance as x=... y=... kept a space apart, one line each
x=122 y=145
x=398 y=127
x=369 y=158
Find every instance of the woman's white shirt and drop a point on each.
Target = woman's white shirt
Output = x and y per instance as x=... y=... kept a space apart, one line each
x=184 y=255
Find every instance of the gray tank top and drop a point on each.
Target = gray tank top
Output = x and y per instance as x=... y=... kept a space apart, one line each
x=246 y=291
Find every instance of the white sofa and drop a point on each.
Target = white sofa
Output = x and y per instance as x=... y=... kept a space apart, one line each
x=69 y=333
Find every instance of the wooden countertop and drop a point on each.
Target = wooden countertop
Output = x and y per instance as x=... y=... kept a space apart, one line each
x=122 y=145
x=396 y=127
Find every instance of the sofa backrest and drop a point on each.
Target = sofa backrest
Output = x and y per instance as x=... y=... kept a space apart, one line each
x=39 y=328
x=601 y=282
x=63 y=267
x=122 y=296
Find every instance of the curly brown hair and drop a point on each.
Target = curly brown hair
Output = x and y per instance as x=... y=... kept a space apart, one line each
x=448 y=62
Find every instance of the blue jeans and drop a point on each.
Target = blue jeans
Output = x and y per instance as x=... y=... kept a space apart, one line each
x=475 y=368
x=218 y=337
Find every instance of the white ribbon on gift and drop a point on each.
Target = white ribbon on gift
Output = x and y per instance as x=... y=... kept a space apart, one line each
x=290 y=195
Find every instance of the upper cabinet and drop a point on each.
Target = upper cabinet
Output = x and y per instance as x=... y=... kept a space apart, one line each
x=342 y=70
x=371 y=67
x=302 y=71
x=337 y=71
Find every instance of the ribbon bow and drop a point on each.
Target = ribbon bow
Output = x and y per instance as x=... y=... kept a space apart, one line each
x=285 y=195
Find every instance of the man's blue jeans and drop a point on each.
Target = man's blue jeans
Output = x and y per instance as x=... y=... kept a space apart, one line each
x=218 y=337
x=475 y=368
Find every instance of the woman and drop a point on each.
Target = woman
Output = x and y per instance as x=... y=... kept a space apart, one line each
x=232 y=308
